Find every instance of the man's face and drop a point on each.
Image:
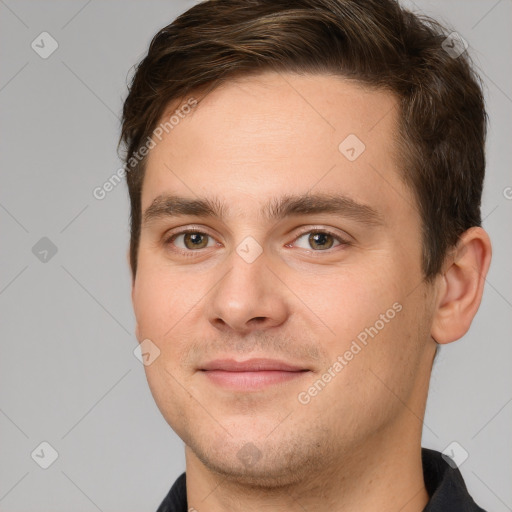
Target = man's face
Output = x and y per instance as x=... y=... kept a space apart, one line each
x=308 y=287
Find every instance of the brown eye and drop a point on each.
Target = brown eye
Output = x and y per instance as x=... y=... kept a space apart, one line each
x=319 y=241
x=195 y=240
x=190 y=240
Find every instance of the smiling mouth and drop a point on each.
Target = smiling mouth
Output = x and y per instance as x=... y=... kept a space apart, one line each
x=251 y=380
x=251 y=375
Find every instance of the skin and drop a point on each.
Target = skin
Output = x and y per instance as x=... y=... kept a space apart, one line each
x=356 y=444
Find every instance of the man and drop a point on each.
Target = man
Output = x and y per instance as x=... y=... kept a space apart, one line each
x=305 y=180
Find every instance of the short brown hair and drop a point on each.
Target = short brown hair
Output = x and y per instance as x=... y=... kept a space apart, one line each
x=442 y=119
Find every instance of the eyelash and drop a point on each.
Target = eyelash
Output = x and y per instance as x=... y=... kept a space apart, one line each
x=190 y=252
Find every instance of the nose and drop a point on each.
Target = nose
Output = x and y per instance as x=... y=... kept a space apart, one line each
x=249 y=297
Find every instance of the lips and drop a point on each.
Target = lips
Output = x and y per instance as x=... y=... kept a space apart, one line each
x=251 y=365
x=252 y=375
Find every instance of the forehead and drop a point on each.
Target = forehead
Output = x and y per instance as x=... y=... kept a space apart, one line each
x=260 y=137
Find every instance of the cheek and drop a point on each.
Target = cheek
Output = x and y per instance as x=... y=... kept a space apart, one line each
x=160 y=309
x=377 y=376
x=166 y=306
x=150 y=302
x=370 y=320
x=169 y=396
x=346 y=302
x=160 y=298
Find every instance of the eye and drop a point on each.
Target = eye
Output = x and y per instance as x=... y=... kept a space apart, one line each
x=320 y=240
x=190 y=240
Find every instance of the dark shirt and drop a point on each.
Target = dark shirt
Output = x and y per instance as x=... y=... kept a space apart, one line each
x=444 y=484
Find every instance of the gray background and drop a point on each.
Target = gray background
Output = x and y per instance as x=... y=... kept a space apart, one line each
x=68 y=375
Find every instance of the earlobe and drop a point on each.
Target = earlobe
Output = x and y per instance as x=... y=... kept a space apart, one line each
x=461 y=287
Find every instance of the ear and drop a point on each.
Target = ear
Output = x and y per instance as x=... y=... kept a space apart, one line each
x=461 y=286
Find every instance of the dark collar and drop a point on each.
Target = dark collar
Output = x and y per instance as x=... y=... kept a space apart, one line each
x=445 y=486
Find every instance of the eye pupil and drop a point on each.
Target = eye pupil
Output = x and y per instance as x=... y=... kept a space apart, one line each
x=316 y=239
x=197 y=239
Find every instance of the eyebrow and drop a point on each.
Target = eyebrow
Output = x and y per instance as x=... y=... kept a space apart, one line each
x=165 y=206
